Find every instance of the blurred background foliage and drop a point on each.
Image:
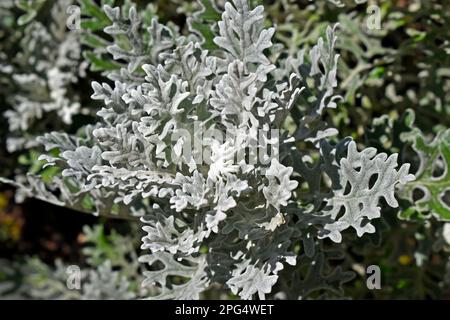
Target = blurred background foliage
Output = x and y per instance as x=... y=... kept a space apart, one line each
x=395 y=88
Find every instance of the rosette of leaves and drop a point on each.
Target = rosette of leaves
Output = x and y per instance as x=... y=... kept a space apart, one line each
x=210 y=215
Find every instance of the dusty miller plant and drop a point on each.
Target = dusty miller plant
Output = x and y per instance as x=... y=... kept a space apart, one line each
x=111 y=271
x=240 y=225
x=42 y=74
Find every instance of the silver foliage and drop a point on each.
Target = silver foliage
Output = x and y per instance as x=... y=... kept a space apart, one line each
x=219 y=220
x=44 y=73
